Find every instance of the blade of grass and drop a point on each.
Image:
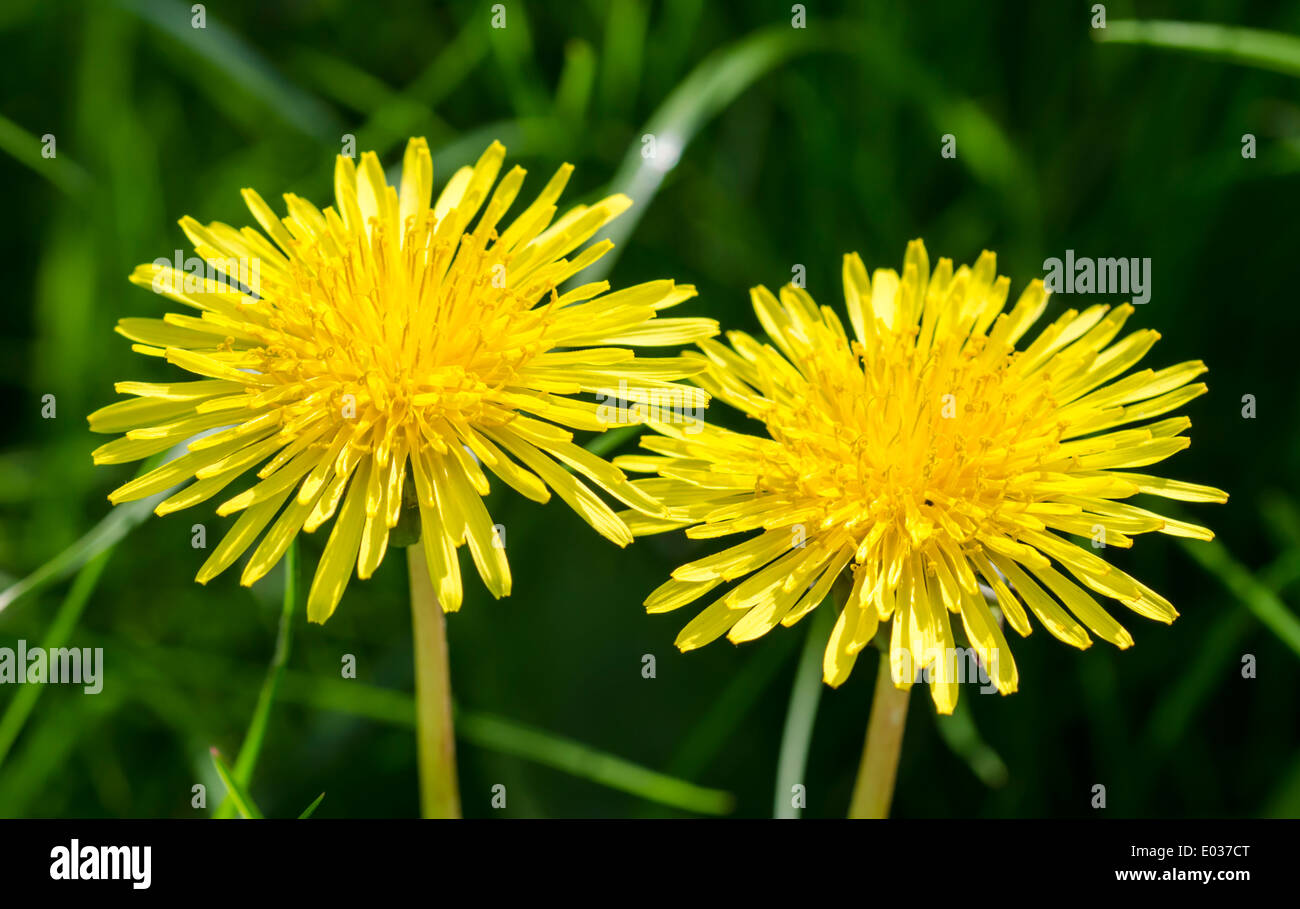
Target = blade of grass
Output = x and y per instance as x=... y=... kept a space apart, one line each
x=1261 y=49
x=397 y=708
x=988 y=153
x=573 y=93
x=1176 y=710
x=37 y=771
x=1283 y=519
x=311 y=809
x=501 y=735
x=709 y=735
x=1285 y=802
x=358 y=90
x=246 y=806
x=962 y=737
x=625 y=31
x=249 y=752
x=396 y=121
x=792 y=760
x=671 y=21
x=60 y=170
x=1174 y=714
x=1285 y=799
x=240 y=65
x=517 y=63
x=370 y=702
x=466 y=148
x=1214 y=557
x=107 y=533
x=708 y=90
x=65 y=621
x=546 y=748
x=713 y=730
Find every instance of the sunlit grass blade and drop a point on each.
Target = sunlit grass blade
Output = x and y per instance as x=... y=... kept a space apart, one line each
x=249 y=752
x=1274 y=51
x=243 y=803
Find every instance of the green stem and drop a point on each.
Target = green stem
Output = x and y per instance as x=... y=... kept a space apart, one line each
x=251 y=750
x=435 y=738
x=874 y=789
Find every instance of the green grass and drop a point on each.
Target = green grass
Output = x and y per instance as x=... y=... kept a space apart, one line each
x=792 y=147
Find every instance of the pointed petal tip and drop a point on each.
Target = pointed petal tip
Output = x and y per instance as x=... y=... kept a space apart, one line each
x=833 y=681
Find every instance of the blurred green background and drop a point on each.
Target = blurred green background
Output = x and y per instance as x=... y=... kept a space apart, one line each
x=796 y=146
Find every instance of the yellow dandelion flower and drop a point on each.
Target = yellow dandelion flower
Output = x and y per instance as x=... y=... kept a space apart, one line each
x=387 y=344
x=927 y=455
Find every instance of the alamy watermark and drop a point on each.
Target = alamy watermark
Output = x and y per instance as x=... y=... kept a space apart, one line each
x=194 y=274
x=676 y=406
x=76 y=862
x=53 y=666
x=1083 y=275
x=962 y=665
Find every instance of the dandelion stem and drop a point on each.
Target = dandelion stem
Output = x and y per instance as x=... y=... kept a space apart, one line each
x=435 y=738
x=874 y=789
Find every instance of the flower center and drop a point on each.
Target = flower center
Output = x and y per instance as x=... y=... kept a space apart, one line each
x=379 y=333
x=921 y=442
